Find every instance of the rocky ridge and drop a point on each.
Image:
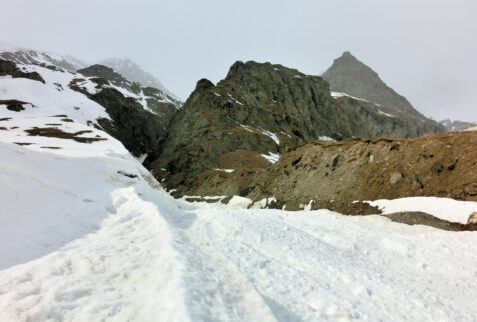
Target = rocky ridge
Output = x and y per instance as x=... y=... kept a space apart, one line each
x=266 y=108
x=35 y=57
x=349 y=75
x=135 y=73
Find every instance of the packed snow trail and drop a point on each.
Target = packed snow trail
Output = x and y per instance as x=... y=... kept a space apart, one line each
x=324 y=266
x=155 y=258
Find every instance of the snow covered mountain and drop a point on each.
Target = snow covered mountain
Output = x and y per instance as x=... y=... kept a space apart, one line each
x=135 y=73
x=126 y=67
x=457 y=125
x=35 y=57
x=88 y=234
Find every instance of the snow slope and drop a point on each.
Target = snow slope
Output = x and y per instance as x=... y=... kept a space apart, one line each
x=131 y=252
x=87 y=234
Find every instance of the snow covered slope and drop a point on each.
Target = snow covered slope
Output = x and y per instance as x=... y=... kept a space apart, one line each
x=87 y=238
x=87 y=234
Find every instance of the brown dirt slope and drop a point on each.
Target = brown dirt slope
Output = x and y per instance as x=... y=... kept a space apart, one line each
x=443 y=165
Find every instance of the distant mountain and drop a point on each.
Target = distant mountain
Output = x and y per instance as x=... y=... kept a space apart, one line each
x=137 y=116
x=457 y=125
x=126 y=67
x=351 y=76
x=135 y=73
x=35 y=57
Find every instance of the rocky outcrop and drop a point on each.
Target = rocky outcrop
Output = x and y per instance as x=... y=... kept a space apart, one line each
x=10 y=68
x=349 y=75
x=137 y=128
x=151 y=98
x=266 y=108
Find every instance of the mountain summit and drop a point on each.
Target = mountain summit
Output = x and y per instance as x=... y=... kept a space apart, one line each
x=351 y=76
x=135 y=73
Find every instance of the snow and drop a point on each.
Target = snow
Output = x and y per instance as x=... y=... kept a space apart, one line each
x=141 y=158
x=308 y=206
x=442 y=208
x=225 y=170
x=385 y=113
x=325 y=138
x=338 y=94
x=271 y=157
x=271 y=135
x=246 y=127
x=235 y=100
x=146 y=255
x=238 y=202
x=87 y=234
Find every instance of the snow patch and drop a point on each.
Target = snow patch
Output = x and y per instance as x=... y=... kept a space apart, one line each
x=225 y=170
x=442 y=208
x=271 y=157
x=385 y=113
x=235 y=100
x=271 y=135
x=238 y=202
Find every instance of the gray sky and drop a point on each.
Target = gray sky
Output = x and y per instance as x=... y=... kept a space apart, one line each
x=425 y=49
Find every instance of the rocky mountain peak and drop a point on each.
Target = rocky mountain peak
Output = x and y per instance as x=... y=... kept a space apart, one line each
x=351 y=76
x=204 y=84
x=347 y=55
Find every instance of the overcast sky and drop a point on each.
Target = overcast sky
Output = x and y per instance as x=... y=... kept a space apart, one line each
x=425 y=49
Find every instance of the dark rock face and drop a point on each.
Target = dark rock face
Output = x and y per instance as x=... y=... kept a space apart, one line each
x=266 y=108
x=257 y=107
x=131 y=124
x=349 y=75
x=110 y=75
x=158 y=102
x=136 y=128
x=9 y=68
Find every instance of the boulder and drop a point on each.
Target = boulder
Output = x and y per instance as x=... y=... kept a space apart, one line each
x=395 y=177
